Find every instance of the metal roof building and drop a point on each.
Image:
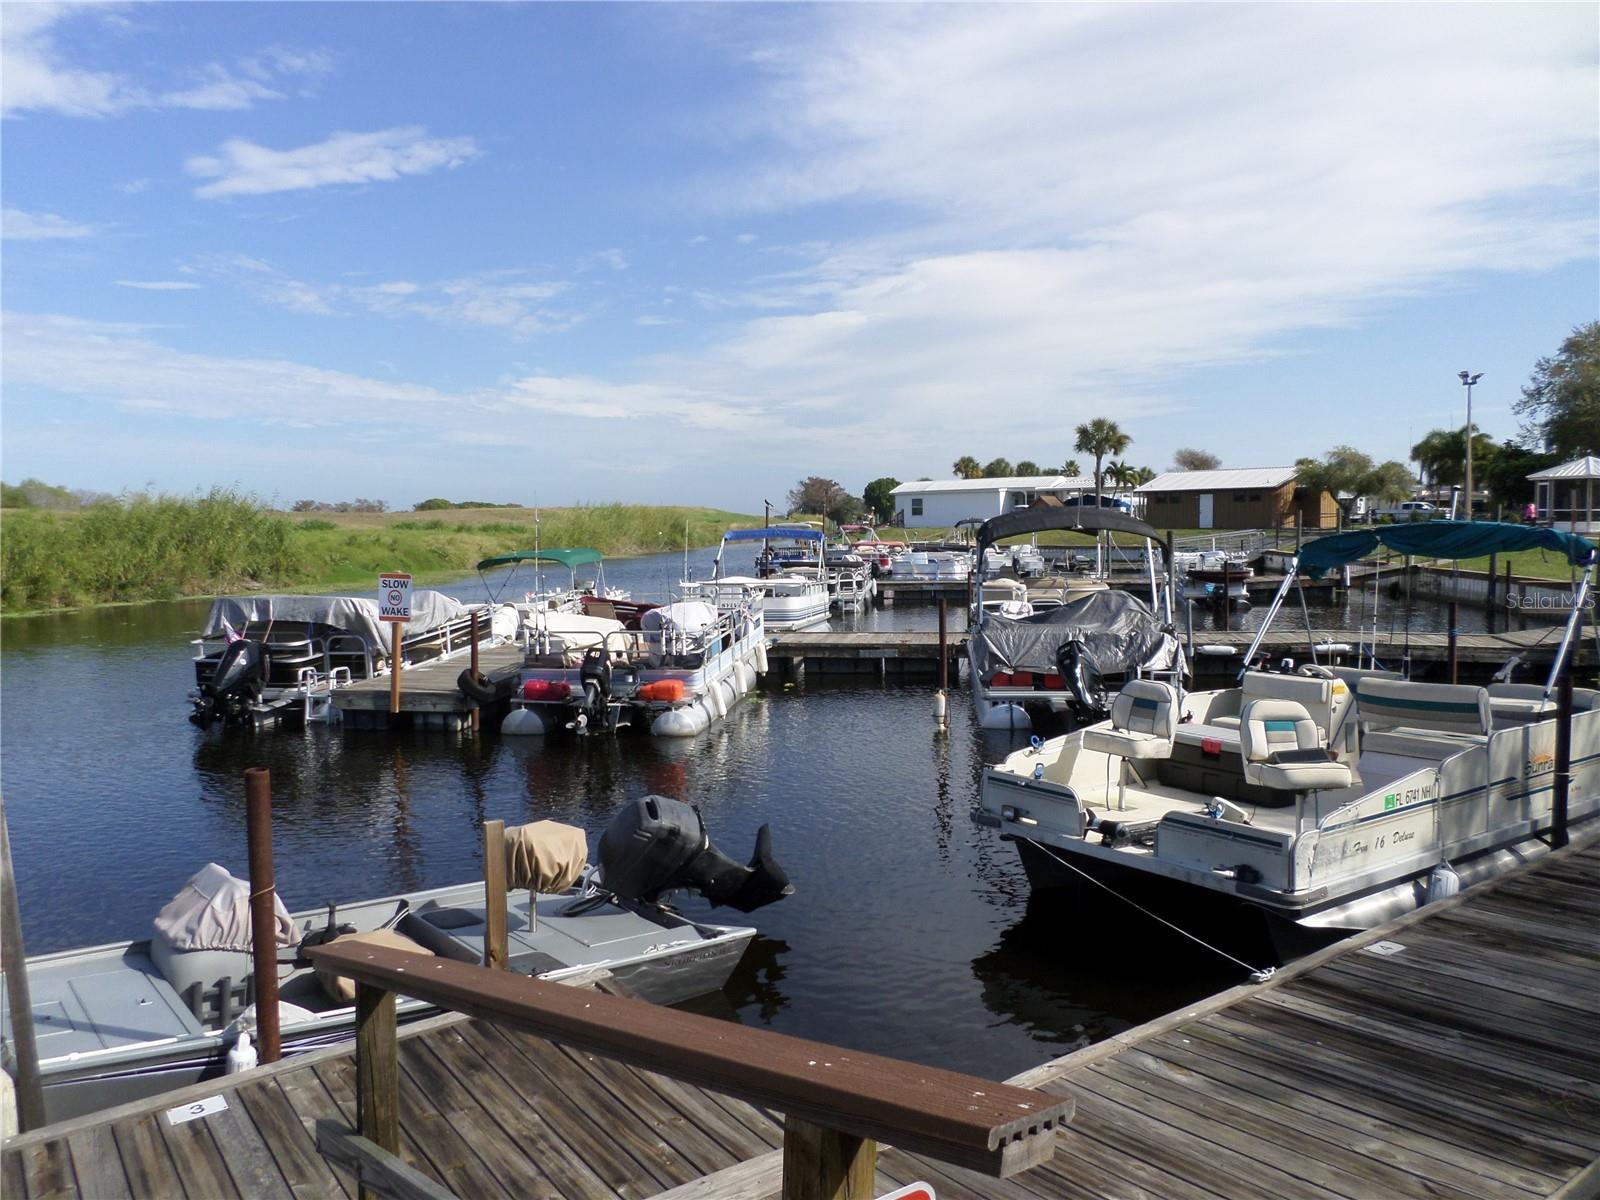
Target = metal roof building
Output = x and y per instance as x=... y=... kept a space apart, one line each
x=1568 y=496
x=940 y=503
x=1235 y=498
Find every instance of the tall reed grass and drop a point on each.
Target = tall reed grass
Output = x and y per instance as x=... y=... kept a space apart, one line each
x=158 y=547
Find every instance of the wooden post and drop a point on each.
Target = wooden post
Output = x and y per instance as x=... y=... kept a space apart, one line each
x=496 y=948
x=944 y=645
x=14 y=968
x=394 y=667
x=1563 y=773
x=474 y=703
x=1455 y=608
x=824 y=1164
x=1227 y=584
x=377 y=1072
x=263 y=913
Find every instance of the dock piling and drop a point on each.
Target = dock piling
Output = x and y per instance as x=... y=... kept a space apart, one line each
x=496 y=946
x=263 y=914
x=14 y=967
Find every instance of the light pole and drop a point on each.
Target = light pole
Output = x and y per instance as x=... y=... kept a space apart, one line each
x=1467 y=380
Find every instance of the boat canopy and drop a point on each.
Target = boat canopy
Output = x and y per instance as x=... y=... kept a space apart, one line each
x=783 y=533
x=1441 y=539
x=1118 y=632
x=1037 y=520
x=567 y=558
x=252 y=615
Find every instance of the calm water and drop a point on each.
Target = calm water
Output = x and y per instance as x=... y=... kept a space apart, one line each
x=910 y=931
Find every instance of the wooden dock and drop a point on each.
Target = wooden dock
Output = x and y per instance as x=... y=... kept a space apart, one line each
x=1452 y=1053
x=916 y=652
x=429 y=697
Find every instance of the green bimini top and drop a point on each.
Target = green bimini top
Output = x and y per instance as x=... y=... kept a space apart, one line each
x=571 y=559
x=1441 y=539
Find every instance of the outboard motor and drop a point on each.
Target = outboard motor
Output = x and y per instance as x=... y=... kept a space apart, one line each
x=1082 y=680
x=656 y=844
x=236 y=684
x=595 y=674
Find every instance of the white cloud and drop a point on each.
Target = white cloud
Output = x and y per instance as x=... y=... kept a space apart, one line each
x=650 y=319
x=219 y=89
x=507 y=300
x=19 y=226
x=121 y=364
x=241 y=168
x=132 y=187
x=1085 y=203
x=158 y=285
x=36 y=74
x=744 y=239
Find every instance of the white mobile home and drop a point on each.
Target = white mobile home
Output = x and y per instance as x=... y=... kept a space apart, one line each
x=940 y=503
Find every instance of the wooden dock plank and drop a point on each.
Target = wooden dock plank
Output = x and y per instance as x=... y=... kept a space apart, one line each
x=1356 y=1127
x=338 y=1076
x=49 y=1171
x=97 y=1164
x=146 y=1159
x=1364 y=1174
x=459 y=1083
x=310 y=1103
x=293 y=1148
x=198 y=1159
x=248 y=1160
x=575 y=1124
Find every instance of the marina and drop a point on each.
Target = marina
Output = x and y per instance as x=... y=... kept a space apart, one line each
x=1446 y=1043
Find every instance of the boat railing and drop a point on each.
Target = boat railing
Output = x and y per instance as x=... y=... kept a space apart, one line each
x=833 y=1118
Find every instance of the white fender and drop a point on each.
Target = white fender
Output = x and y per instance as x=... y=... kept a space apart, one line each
x=729 y=694
x=761 y=658
x=714 y=702
x=524 y=722
x=747 y=676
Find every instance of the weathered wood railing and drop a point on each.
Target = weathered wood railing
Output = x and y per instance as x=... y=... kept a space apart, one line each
x=837 y=1103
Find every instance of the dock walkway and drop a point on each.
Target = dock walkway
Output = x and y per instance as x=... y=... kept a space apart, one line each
x=1452 y=1053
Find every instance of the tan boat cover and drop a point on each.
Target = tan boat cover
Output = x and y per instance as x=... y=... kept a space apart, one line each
x=212 y=912
x=343 y=989
x=545 y=856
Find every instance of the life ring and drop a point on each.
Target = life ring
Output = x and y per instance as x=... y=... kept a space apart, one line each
x=477 y=687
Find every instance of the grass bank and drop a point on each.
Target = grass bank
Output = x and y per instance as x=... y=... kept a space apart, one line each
x=157 y=548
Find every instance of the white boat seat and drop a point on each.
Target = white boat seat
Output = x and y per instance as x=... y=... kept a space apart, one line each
x=1283 y=749
x=1441 y=707
x=1144 y=720
x=1316 y=694
x=1427 y=744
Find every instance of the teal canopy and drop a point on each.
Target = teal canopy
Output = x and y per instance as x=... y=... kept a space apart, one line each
x=570 y=559
x=1440 y=539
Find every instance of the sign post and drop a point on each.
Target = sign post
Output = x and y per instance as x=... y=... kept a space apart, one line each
x=394 y=605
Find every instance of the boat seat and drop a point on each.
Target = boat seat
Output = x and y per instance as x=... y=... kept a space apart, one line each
x=1426 y=744
x=1435 y=707
x=1144 y=720
x=1283 y=749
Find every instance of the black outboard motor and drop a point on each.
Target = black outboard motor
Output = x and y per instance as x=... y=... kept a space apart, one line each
x=234 y=686
x=595 y=675
x=656 y=844
x=1081 y=678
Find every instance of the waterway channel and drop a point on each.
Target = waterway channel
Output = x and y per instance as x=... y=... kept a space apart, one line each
x=910 y=932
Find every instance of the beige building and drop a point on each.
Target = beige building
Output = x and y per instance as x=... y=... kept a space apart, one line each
x=1235 y=498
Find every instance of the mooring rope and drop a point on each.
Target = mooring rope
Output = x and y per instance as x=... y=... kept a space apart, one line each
x=1257 y=974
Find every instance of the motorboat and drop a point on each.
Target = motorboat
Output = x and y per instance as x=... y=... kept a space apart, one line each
x=1326 y=799
x=875 y=551
x=793 y=599
x=270 y=659
x=1062 y=652
x=931 y=566
x=121 y=1022
x=1214 y=578
x=673 y=669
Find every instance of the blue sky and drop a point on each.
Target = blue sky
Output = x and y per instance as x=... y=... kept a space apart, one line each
x=558 y=253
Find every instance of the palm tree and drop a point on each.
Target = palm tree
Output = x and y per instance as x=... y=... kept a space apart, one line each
x=967 y=467
x=1028 y=467
x=1100 y=437
x=1071 y=469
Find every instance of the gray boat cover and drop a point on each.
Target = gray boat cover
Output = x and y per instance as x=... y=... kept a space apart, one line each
x=353 y=614
x=1118 y=631
x=212 y=912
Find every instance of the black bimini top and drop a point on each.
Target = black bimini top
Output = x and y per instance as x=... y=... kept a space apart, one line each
x=1074 y=518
